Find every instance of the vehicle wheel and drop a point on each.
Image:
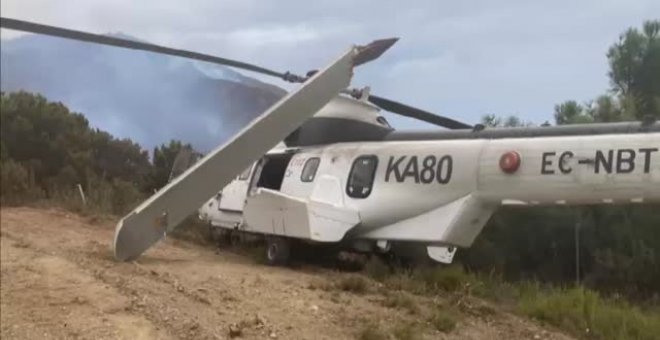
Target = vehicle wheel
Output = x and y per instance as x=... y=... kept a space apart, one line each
x=278 y=250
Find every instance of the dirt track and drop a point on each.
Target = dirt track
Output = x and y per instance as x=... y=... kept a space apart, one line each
x=59 y=281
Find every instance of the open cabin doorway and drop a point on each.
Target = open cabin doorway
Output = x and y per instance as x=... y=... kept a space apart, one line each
x=270 y=171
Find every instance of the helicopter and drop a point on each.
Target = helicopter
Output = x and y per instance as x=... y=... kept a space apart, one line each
x=323 y=166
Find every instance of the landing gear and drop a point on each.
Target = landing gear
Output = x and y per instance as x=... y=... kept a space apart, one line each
x=235 y=238
x=220 y=236
x=278 y=250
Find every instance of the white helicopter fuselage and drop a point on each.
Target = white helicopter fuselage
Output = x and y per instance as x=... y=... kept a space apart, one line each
x=436 y=192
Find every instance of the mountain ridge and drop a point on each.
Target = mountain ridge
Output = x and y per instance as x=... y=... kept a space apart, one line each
x=147 y=97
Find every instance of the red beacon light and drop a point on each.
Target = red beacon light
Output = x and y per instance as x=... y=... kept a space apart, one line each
x=510 y=162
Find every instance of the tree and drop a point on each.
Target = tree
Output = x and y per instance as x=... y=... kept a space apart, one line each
x=606 y=109
x=635 y=69
x=492 y=120
x=570 y=112
x=59 y=148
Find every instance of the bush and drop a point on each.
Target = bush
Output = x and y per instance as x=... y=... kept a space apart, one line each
x=354 y=284
x=194 y=230
x=406 y=331
x=401 y=300
x=376 y=269
x=114 y=197
x=583 y=312
x=371 y=331
x=443 y=321
x=17 y=184
x=449 y=279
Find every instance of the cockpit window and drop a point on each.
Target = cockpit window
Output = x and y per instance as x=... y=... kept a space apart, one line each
x=361 y=177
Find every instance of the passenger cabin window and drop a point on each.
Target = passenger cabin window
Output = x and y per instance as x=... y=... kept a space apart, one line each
x=245 y=174
x=361 y=177
x=309 y=170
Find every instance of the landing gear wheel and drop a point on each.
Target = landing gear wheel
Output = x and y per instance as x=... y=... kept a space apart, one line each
x=278 y=250
x=235 y=238
x=222 y=237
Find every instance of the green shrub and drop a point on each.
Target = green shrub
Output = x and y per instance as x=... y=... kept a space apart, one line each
x=376 y=269
x=17 y=184
x=192 y=229
x=448 y=279
x=354 y=284
x=443 y=321
x=401 y=300
x=371 y=331
x=405 y=280
x=406 y=331
x=583 y=312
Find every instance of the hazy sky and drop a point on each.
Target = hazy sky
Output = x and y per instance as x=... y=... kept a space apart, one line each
x=459 y=58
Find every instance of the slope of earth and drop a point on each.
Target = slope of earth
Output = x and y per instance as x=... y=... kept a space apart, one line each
x=59 y=280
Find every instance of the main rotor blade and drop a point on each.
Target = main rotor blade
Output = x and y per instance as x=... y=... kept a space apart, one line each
x=409 y=111
x=373 y=50
x=26 y=26
x=163 y=211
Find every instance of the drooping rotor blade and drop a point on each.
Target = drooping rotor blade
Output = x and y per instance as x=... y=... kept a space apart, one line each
x=26 y=26
x=374 y=50
x=163 y=211
x=183 y=160
x=409 y=111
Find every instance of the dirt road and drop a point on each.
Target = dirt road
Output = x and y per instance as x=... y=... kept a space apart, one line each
x=59 y=281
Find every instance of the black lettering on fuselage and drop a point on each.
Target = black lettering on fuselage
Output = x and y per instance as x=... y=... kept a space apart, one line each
x=619 y=161
x=625 y=164
x=547 y=163
x=647 y=158
x=446 y=165
x=606 y=163
x=412 y=169
x=393 y=167
x=420 y=169
x=427 y=175
x=563 y=159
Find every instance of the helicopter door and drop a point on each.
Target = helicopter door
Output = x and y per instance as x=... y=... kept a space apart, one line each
x=271 y=170
x=233 y=195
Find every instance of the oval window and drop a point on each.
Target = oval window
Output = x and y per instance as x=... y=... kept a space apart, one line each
x=361 y=177
x=309 y=170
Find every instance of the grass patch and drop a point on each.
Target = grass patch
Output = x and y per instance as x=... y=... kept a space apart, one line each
x=448 y=279
x=443 y=321
x=585 y=313
x=371 y=331
x=406 y=331
x=354 y=284
x=578 y=311
x=192 y=230
x=432 y=280
x=376 y=269
x=401 y=300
